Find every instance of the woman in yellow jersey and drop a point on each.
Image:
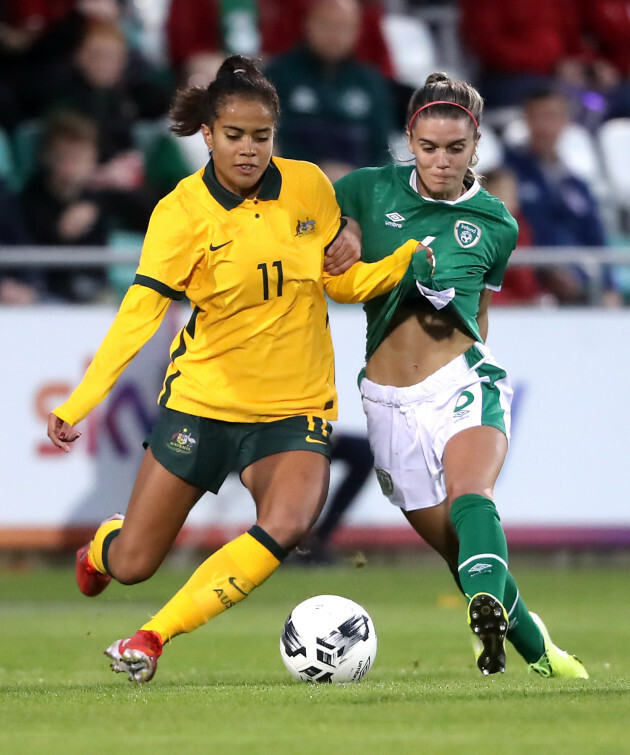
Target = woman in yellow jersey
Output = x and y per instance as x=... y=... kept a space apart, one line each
x=250 y=385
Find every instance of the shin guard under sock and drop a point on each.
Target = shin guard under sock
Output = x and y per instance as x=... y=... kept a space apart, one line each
x=223 y=580
x=482 y=548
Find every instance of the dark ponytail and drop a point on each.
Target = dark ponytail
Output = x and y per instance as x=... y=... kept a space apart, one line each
x=238 y=76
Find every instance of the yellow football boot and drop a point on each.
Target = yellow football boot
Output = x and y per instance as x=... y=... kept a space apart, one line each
x=555 y=662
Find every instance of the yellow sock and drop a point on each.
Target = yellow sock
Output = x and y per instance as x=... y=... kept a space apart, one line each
x=95 y=553
x=223 y=580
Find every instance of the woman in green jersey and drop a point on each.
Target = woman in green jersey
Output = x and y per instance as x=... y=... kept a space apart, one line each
x=437 y=403
x=250 y=384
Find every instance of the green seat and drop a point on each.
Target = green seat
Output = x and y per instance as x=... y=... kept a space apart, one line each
x=7 y=161
x=26 y=145
x=121 y=276
x=146 y=132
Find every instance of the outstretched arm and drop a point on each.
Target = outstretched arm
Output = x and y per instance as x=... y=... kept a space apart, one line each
x=140 y=314
x=365 y=280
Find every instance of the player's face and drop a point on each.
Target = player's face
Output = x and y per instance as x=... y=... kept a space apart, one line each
x=443 y=148
x=241 y=140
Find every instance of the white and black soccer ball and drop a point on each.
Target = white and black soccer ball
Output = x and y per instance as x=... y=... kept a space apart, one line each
x=328 y=639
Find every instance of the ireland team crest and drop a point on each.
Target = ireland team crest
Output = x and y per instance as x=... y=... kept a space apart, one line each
x=385 y=481
x=467 y=234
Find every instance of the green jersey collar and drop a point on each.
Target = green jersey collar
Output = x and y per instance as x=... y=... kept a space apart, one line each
x=269 y=189
x=469 y=194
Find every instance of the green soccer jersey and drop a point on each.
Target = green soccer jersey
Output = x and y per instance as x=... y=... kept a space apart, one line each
x=472 y=238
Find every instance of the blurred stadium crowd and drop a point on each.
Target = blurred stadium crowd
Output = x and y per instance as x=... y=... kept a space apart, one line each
x=85 y=87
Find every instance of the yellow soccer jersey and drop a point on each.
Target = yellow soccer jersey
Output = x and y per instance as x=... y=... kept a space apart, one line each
x=257 y=346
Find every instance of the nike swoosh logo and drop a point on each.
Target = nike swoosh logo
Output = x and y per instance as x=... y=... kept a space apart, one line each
x=214 y=248
x=232 y=580
x=314 y=440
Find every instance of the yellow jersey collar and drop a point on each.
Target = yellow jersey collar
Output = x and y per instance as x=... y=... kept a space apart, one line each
x=269 y=189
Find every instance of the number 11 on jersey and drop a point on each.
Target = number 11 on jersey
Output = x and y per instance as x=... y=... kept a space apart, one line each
x=265 y=277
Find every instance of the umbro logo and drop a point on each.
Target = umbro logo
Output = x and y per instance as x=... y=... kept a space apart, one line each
x=394 y=219
x=465 y=399
x=480 y=568
x=214 y=248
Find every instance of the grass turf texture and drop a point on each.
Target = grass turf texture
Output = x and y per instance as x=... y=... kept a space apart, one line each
x=224 y=689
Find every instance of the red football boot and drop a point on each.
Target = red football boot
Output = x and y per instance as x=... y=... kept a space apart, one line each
x=136 y=656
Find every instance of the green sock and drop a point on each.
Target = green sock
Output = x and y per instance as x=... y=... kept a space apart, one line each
x=522 y=631
x=482 y=547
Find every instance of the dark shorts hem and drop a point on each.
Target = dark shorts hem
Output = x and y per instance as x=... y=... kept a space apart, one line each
x=203 y=451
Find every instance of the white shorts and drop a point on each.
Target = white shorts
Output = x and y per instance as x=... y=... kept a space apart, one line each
x=408 y=428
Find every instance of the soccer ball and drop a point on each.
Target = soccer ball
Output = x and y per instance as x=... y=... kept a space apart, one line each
x=328 y=639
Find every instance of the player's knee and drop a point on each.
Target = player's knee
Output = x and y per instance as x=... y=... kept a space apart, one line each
x=289 y=529
x=132 y=568
x=456 y=489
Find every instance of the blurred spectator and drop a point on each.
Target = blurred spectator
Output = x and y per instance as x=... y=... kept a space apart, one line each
x=282 y=26
x=520 y=46
x=336 y=111
x=61 y=206
x=100 y=84
x=266 y=28
x=60 y=209
x=36 y=17
x=211 y=28
x=606 y=24
x=558 y=205
x=36 y=36
x=520 y=285
x=16 y=286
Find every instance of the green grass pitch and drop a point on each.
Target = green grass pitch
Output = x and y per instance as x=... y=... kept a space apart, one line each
x=224 y=689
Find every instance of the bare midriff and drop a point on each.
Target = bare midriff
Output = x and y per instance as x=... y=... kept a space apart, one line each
x=418 y=344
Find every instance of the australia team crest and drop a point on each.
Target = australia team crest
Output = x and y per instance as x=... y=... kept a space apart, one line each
x=467 y=234
x=182 y=442
x=304 y=227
